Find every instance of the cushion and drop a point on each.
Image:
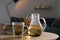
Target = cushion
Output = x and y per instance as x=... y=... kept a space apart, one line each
x=56 y=23
x=49 y=21
x=53 y=30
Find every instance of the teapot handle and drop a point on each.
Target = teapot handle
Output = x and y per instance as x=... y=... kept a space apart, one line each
x=44 y=23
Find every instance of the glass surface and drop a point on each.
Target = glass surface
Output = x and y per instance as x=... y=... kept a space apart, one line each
x=18 y=28
x=35 y=27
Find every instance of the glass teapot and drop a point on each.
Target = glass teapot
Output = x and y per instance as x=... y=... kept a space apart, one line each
x=34 y=25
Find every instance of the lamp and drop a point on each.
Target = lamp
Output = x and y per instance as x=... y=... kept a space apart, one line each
x=7 y=7
x=15 y=1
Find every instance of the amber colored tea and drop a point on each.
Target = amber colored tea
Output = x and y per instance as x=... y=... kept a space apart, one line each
x=18 y=29
x=34 y=30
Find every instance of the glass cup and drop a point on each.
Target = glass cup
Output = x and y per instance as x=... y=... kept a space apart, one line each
x=18 y=28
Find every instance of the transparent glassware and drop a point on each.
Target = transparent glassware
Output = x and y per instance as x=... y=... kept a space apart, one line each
x=35 y=28
x=18 y=29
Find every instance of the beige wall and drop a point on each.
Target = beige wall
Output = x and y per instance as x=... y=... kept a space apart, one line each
x=26 y=7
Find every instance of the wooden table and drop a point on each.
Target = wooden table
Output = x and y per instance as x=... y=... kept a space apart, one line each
x=44 y=36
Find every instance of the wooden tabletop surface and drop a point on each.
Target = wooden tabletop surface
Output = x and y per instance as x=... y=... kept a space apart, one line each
x=44 y=36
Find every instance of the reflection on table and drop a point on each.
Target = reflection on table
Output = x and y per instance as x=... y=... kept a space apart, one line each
x=44 y=36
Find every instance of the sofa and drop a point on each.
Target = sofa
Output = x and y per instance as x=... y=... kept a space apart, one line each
x=53 y=24
x=54 y=27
